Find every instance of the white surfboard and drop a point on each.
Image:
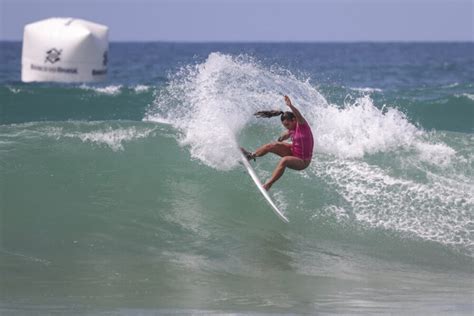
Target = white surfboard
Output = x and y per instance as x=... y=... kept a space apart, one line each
x=264 y=192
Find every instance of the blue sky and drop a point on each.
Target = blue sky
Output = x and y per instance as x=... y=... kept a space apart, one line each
x=255 y=20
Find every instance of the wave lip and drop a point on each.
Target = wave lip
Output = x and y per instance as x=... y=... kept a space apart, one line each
x=112 y=135
x=361 y=128
x=113 y=138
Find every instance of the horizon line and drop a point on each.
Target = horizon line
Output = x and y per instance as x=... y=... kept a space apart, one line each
x=282 y=42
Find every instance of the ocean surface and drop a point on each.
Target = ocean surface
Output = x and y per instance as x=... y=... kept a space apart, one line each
x=127 y=197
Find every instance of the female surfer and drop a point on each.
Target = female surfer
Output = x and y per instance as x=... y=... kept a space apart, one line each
x=296 y=155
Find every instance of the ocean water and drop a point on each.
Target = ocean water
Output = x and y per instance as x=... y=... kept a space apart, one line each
x=128 y=198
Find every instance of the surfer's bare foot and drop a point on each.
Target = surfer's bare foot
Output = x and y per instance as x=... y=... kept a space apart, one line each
x=267 y=186
x=248 y=154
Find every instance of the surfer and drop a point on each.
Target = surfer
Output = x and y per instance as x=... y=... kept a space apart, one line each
x=296 y=155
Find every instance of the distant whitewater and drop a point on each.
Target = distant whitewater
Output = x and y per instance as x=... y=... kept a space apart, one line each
x=128 y=197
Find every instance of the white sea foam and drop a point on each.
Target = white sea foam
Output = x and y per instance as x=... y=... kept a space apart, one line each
x=112 y=137
x=367 y=90
x=361 y=128
x=281 y=200
x=451 y=85
x=108 y=90
x=438 y=154
x=98 y=133
x=469 y=96
x=430 y=211
x=14 y=90
x=141 y=88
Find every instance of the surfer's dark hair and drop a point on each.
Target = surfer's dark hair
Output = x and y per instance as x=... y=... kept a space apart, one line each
x=283 y=115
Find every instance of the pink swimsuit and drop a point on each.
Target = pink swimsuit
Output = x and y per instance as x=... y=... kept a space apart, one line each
x=302 y=142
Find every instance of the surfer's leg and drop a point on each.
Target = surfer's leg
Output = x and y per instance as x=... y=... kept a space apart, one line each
x=290 y=162
x=281 y=149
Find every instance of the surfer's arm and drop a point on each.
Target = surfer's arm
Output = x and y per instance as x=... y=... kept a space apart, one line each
x=284 y=136
x=299 y=118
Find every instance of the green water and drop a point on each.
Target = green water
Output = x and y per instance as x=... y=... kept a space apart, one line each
x=128 y=198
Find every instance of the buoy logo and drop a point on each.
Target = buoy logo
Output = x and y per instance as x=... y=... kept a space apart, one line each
x=53 y=55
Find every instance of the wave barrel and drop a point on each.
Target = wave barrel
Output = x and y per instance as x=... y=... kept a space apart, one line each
x=64 y=50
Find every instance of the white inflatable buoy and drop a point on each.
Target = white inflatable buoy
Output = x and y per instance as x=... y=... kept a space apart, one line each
x=64 y=50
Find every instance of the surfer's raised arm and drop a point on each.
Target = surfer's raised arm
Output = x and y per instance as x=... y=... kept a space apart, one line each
x=295 y=111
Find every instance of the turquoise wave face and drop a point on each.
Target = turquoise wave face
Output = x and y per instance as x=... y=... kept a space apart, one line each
x=131 y=193
x=100 y=209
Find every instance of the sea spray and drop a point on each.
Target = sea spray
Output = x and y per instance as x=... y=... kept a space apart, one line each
x=361 y=128
x=211 y=104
